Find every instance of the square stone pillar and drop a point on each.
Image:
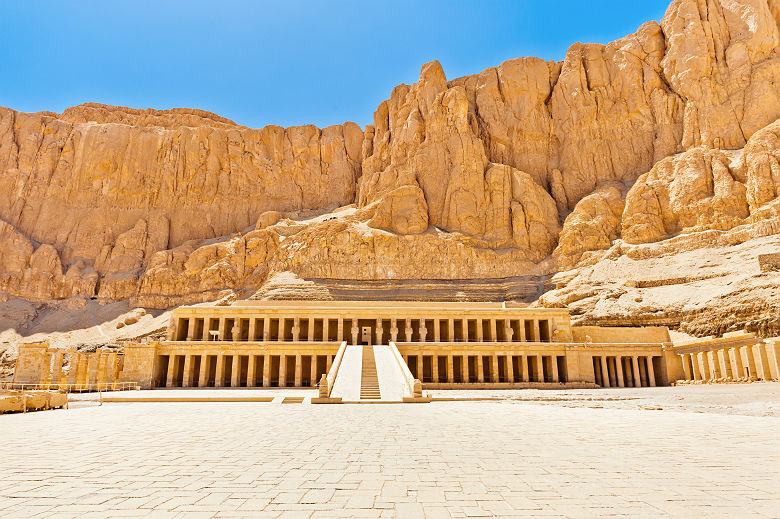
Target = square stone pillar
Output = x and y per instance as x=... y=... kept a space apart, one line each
x=493 y=334
x=464 y=367
x=282 y=370
x=250 y=371
x=311 y=329
x=393 y=330
x=748 y=362
x=206 y=336
x=380 y=332
x=171 y=375
x=56 y=367
x=635 y=371
x=423 y=331
x=465 y=327
x=521 y=326
x=325 y=330
x=508 y=331
x=355 y=331
x=340 y=329
x=267 y=370
x=704 y=371
x=762 y=361
x=408 y=330
x=266 y=329
x=252 y=329
x=451 y=330
x=191 y=328
x=686 y=366
x=222 y=329
x=494 y=366
x=650 y=371
x=480 y=368
x=605 y=378
x=480 y=332
x=523 y=365
x=420 y=368
x=235 y=371
x=695 y=366
x=619 y=374
x=329 y=362
x=298 y=370
x=714 y=364
x=725 y=365
x=436 y=330
x=187 y=378
x=539 y=368
x=737 y=368
x=203 y=378
x=435 y=368
x=218 y=380
x=508 y=371
x=314 y=376
x=554 y=366
x=450 y=369
x=296 y=329
x=92 y=378
x=773 y=352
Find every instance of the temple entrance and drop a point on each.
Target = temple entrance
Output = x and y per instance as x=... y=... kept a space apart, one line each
x=365 y=335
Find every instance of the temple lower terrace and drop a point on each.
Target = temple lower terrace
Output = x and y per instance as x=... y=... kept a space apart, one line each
x=391 y=351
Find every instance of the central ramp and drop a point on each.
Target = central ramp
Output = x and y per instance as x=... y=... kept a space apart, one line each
x=369 y=373
x=369 y=381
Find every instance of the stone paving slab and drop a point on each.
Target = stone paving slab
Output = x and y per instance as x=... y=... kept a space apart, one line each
x=450 y=459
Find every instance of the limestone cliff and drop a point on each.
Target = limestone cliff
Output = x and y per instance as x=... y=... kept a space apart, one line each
x=662 y=142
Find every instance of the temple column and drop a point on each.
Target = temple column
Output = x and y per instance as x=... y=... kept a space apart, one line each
x=451 y=330
x=695 y=366
x=267 y=370
x=435 y=368
x=408 y=330
x=191 y=328
x=250 y=371
x=393 y=330
x=298 y=370
x=235 y=371
x=437 y=330
x=508 y=331
x=203 y=378
x=523 y=365
x=266 y=329
x=56 y=367
x=314 y=376
x=73 y=369
x=635 y=371
x=509 y=374
x=480 y=366
x=325 y=331
x=702 y=363
x=282 y=370
x=712 y=360
x=310 y=336
x=422 y=330
x=521 y=326
x=420 y=369
x=235 y=331
x=464 y=370
x=450 y=369
x=725 y=365
x=605 y=372
x=171 y=371
x=222 y=326
x=738 y=367
x=554 y=365
x=218 y=380
x=328 y=362
x=187 y=378
x=465 y=329
x=355 y=331
x=539 y=368
x=380 y=332
x=494 y=366
x=480 y=332
x=206 y=327
x=686 y=366
x=619 y=369
x=650 y=371
x=773 y=350
x=493 y=335
x=94 y=359
x=252 y=331
x=762 y=361
x=296 y=329
x=341 y=329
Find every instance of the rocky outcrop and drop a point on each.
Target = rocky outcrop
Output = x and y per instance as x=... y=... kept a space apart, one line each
x=664 y=140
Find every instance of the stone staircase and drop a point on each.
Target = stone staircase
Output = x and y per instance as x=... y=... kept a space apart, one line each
x=369 y=382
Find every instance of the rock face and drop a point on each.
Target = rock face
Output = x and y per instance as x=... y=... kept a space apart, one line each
x=662 y=142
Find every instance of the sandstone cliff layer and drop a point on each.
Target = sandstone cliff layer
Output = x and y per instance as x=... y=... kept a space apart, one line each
x=528 y=168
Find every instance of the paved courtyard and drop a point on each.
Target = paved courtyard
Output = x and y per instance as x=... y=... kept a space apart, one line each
x=509 y=458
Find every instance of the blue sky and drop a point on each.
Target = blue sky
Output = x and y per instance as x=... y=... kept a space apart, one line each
x=283 y=62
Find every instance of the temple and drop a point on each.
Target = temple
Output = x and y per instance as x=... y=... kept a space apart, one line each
x=390 y=350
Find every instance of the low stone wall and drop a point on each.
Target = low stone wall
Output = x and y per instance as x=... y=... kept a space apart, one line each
x=23 y=401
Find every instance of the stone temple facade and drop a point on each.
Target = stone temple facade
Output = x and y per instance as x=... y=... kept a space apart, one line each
x=392 y=349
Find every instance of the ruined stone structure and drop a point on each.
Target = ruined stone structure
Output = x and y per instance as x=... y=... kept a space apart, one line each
x=38 y=364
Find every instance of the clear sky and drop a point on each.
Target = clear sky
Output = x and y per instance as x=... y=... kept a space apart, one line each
x=282 y=62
